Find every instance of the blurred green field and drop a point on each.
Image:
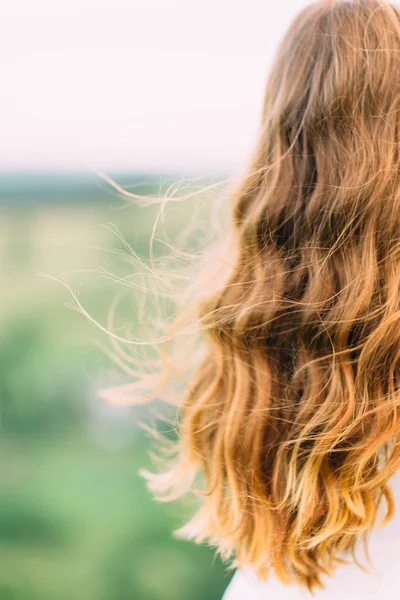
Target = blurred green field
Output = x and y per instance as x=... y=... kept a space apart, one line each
x=76 y=520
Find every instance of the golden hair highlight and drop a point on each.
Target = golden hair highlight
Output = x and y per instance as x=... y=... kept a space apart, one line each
x=288 y=427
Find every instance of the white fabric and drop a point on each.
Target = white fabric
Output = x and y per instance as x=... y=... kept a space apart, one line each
x=349 y=581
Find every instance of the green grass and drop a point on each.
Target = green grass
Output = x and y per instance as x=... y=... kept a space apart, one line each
x=76 y=520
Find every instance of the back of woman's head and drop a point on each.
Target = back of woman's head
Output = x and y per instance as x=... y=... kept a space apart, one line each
x=292 y=414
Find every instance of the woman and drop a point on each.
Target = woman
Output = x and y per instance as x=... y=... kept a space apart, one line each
x=289 y=424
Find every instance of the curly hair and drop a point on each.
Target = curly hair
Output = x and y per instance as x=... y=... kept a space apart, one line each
x=288 y=428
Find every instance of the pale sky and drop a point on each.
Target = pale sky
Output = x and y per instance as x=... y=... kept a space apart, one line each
x=134 y=84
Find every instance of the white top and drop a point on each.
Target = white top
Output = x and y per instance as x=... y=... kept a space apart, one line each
x=349 y=581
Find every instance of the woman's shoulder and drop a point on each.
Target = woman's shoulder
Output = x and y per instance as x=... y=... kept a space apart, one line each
x=350 y=582
x=244 y=585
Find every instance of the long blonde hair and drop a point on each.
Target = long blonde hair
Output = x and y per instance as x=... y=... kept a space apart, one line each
x=288 y=422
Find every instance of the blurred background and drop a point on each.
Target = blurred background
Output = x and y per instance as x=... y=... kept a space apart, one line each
x=149 y=92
